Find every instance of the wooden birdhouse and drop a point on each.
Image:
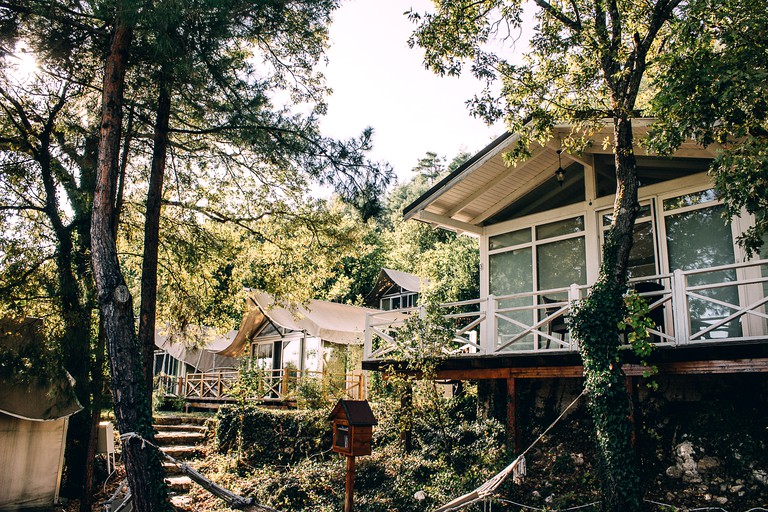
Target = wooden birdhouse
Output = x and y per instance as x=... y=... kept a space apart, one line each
x=353 y=423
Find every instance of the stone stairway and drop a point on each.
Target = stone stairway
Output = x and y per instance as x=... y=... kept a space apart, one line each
x=182 y=437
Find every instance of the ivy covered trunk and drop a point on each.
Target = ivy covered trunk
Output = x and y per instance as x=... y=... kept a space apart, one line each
x=75 y=297
x=132 y=411
x=595 y=326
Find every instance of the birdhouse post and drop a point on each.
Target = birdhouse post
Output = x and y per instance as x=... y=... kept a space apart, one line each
x=352 y=422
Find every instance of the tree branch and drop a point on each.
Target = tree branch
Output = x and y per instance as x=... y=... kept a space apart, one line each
x=574 y=25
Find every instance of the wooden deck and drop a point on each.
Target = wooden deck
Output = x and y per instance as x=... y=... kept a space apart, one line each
x=703 y=316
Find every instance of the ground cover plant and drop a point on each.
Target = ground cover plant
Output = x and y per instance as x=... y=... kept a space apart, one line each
x=283 y=458
x=697 y=446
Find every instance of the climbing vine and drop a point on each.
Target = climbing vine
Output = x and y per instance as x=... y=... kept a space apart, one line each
x=635 y=325
x=595 y=324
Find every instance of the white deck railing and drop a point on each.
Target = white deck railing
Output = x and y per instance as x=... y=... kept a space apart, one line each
x=718 y=304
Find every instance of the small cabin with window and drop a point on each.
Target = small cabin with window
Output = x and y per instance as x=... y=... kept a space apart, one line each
x=395 y=290
x=286 y=344
x=540 y=227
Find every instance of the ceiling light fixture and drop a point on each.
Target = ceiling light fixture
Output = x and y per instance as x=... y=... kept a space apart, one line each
x=560 y=172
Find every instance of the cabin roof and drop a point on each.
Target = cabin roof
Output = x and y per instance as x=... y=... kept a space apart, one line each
x=356 y=412
x=485 y=185
x=388 y=278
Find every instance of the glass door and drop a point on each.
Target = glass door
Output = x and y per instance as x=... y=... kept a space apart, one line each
x=511 y=272
x=643 y=258
x=698 y=237
x=544 y=257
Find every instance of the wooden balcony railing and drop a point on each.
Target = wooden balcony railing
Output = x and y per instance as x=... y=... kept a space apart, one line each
x=718 y=304
x=264 y=385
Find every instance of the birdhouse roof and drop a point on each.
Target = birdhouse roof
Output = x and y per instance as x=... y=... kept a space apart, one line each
x=356 y=412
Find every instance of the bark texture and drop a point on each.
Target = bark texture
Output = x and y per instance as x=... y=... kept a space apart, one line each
x=143 y=468
x=148 y=306
x=595 y=325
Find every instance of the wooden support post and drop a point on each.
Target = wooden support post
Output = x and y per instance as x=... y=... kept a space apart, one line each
x=513 y=425
x=349 y=499
x=284 y=391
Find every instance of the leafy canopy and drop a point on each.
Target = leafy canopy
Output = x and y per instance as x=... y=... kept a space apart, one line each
x=585 y=60
x=713 y=87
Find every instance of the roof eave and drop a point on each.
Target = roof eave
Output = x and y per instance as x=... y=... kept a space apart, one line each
x=422 y=202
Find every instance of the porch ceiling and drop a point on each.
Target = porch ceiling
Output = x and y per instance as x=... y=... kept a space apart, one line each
x=485 y=185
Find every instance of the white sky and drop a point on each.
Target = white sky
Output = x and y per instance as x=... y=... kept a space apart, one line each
x=378 y=81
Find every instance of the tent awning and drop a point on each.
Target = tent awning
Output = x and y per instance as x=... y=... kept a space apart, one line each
x=35 y=400
x=330 y=321
x=388 y=278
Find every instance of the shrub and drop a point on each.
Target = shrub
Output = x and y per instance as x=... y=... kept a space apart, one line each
x=266 y=436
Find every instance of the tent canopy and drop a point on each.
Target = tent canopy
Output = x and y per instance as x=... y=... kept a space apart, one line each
x=35 y=400
x=330 y=321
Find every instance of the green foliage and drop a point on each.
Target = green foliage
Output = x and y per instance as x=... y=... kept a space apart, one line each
x=583 y=63
x=250 y=382
x=311 y=394
x=262 y=436
x=450 y=262
x=715 y=90
x=635 y=325
x=27 y=356
x=163 y=402
x=422 y=337
x=595 y=323
x=385 y=480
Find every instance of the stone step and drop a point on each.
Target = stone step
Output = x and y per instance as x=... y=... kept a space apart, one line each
x=182 y=502
x=184 y=428
x=180 y=419
x=173 y=438
x=179 y=483
x=171 y=469
x=181 y=452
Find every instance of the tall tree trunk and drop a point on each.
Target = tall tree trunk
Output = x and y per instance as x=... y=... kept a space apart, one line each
x=143 y=468
x=97 y=383
x=123 y=168
x=152 y=227
x=76 y=337
x=595 y=325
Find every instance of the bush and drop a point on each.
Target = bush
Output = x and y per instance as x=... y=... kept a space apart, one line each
x=266 y=436
x=285 y=461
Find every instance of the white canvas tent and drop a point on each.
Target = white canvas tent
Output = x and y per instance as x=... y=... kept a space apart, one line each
x=339 y=323
x=203 y=359
x=33 y=429
x=316 y=336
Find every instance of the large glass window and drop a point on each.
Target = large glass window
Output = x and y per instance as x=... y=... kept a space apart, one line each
x=642 y=256
x=543 y=257
x=698 y=237
x=404 y=299
x=511 y=272
x=560 y=264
